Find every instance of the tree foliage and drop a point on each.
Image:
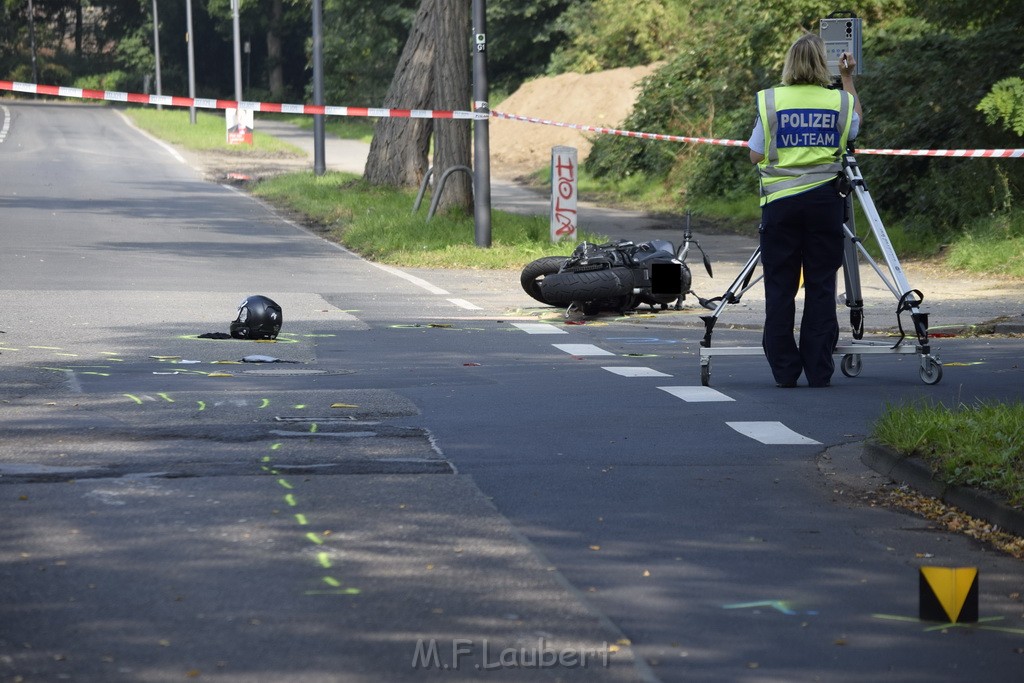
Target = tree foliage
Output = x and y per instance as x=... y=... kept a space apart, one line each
x=1005 y=105
x=923 y=84
x=362 y=42
x=914 y=99
x=521 y=36
x=603 y=34
x=707 y=89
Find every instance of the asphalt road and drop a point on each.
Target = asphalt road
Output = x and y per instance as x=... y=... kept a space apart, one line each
x=444 y=482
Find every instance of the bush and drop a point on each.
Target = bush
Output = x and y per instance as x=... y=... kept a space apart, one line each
x=695 y=95
x=707 y=89
x=605 y=34
x=910 y=102
x=112 y=80
x=49 y=73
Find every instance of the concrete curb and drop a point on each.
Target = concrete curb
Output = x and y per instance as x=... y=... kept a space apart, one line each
x=1010 y=325
x=919 y=475
x=1004 y=325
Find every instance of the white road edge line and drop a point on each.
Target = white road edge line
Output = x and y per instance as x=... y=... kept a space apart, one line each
x=419 y=282
x=4 y=129
x=468 y=305
x=166 y=147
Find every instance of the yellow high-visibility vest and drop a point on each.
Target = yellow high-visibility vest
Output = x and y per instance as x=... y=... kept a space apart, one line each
x=806 y=128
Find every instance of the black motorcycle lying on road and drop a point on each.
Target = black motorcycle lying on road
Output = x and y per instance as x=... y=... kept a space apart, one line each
x=615 y=276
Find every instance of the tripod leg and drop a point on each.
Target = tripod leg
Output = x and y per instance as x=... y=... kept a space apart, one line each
x=908 y=299
x=730 y=297
x=851 y=273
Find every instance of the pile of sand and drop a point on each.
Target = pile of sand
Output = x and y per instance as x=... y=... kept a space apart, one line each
x=599 y=99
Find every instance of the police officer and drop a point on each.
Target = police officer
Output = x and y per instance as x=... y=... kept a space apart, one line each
x=801 y=131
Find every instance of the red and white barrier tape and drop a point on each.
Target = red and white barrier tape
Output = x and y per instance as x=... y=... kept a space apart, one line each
x=138 y=98
x=624 y=133
x=963 y=153
x=165 y=100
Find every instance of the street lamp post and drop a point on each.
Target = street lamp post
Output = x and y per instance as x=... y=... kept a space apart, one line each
x=319 y=155
x=191 y=62
x=156 y=52
x=481 y=140
x=237 y=49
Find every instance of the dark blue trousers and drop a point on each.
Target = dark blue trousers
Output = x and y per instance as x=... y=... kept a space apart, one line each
x=804 y=231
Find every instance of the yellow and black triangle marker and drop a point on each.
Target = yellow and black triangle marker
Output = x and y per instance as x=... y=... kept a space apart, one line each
x=949 y=594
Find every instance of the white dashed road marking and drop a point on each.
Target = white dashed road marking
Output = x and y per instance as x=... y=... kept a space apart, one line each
x=583 y=350
x=772 y=433
x=697 y=394
x=628 y=371
x=539 y=328
x=768 y=433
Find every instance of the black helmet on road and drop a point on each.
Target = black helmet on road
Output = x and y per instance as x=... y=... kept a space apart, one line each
x=258 y=318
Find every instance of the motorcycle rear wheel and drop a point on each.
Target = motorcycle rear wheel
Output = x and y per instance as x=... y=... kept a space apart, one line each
x=592 y=285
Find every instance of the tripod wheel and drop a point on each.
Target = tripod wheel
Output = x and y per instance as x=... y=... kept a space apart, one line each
x=931 y=370
x=705 y=375
x=851 y=364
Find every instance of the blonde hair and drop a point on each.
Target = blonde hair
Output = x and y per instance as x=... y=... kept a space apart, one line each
x=805 y=62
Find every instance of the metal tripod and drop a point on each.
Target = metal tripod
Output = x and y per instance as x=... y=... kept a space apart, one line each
x=907 y=299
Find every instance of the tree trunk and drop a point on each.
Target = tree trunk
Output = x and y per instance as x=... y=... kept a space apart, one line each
x=398 y=151
x=274 y=67
x=432 y=73
x=452 y=91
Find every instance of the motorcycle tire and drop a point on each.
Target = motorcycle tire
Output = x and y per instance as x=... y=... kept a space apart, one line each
x=592 y=285
x=620 y=304
x=535 y=272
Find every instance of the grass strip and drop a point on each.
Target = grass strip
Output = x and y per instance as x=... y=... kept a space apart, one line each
x=379 y=224
x=208 y=134
x=979 y=446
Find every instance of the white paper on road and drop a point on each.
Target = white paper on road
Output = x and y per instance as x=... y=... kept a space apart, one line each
x=539 y=328
x=583 y=350
x=771 y=433
x=696 y=394
x=630 y=371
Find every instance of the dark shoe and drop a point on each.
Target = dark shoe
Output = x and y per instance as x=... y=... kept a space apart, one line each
x=785 y=385
x=820 y=385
